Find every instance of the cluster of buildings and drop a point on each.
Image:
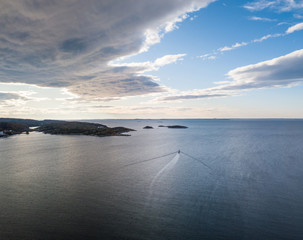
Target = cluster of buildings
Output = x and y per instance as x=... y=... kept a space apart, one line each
x=5 y=133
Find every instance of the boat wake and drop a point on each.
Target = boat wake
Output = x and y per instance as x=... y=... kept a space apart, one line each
x=166 y=168
x=169 y=166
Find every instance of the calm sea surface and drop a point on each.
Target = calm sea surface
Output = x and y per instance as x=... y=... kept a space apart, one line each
x=83 y=187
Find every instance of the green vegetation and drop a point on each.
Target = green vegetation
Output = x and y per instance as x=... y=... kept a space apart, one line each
x=29 y=122
x=11 y=126
x=82 y=128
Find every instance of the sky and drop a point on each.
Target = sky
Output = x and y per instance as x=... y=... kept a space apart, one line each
x=111 y=59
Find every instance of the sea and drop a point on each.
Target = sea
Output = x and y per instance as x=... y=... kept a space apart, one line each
x=233 y=179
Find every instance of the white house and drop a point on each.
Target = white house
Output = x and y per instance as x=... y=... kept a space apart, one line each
x=2 y=133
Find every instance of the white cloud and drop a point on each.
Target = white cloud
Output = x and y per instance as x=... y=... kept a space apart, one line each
x=279 y=72
x=208 y=56
x=168 y=59
x=212 y=56
x=280 y=5
x=295 y=28
x=152 y=36
x=292 y=29
x=69 y=43
x=192 y=95
x=262 y=19
x=236 y=45
x=261 y=39
x=282 y=23
x=284 y=71
x=259 y=5
x=9 y=96
x=172 y=25
x=147 y=66
x=193 y=18
x=10 y=99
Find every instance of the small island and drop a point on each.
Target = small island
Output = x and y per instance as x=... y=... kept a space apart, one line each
x=173 y=126
x=148 y=127
x=14 y=126
x=83 y=128
x=177 y=126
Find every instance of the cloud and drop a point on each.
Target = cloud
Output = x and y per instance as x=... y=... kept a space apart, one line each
x=262 y=19
x=168 y=59
x=284 y=71
x=117 y=85
x=70 y=43
x=242 y=44
x=261 y=39
x=259 y=5
x=236 y=45
x=292 y=29
x=295 y=28
x=9 y=96
x=165 y=111
x=298 y=16
x=213 y=55
x=121 y=81
x=282 y=23
x=141 y=67
x=280 y=6
x=187 y=96
x=10 y=99
x=208 y=56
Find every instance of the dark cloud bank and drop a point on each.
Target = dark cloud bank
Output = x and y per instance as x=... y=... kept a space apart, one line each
x=69 y=43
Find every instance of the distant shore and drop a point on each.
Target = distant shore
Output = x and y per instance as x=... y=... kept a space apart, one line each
x=13 y=126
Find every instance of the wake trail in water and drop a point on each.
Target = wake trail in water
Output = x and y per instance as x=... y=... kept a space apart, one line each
x=170 y=165
x=167 y=167
x=147 y=160
x=198 y=160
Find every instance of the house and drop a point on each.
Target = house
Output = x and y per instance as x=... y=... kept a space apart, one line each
x=2 y=133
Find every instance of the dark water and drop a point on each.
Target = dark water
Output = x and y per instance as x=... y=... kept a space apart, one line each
x=81 y=187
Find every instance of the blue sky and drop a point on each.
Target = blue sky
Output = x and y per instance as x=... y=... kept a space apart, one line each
x=151 y=59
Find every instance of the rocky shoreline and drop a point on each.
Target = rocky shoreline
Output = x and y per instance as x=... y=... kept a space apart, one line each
x=13 y=126
x=9 y=127
x=83 y=128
